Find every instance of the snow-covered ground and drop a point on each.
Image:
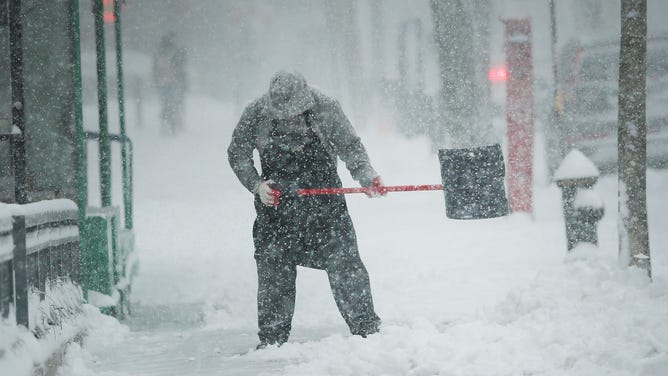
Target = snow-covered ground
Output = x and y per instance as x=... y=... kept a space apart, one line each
x=489 y=297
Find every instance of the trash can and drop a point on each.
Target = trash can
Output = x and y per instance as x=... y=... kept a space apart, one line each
x=582 y=206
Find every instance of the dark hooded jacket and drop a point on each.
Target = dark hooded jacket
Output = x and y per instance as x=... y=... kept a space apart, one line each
x=327 y=121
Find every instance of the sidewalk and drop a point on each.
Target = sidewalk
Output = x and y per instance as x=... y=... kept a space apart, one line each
x=180 y=344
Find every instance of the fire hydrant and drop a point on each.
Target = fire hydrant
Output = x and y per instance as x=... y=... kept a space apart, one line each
x=583 y=207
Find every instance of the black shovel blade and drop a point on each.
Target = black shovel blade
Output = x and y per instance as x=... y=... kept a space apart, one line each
x=473 y=182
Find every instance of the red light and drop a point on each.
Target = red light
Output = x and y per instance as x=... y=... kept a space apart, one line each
x=108 y=14
x=109 y=17
x=498 y=74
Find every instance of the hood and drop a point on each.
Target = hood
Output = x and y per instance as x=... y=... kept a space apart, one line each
x=289 y=95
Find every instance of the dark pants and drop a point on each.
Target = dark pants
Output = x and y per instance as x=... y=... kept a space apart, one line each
x=328 y=243
x=348 y=280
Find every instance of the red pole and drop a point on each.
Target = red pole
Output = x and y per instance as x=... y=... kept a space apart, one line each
x=519 y=114
x=384 y=189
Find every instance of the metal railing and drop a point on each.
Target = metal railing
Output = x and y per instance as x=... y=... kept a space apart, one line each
x=127 y=171
x=39 y=245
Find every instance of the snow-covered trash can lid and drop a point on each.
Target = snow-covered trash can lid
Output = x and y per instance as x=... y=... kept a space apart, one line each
x=576 y=169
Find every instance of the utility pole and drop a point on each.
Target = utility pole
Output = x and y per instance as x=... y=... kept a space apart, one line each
x=632 y=137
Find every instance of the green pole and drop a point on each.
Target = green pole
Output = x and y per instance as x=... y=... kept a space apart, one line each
x=105 y=145
x=82 y=181
x=127 y=196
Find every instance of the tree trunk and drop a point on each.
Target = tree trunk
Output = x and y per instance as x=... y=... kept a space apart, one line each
x=463 y=92
x=632 y=137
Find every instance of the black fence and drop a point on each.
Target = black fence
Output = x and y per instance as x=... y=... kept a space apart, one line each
x=39 y=245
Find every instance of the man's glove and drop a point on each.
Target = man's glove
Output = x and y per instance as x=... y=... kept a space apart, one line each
x=268 y=195
x=376 y=188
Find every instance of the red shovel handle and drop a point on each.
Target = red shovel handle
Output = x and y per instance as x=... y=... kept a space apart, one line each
x=386 y=188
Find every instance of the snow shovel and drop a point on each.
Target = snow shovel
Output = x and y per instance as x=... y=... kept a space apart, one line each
x=473 y=183
x=473 y=180
x=383 y=190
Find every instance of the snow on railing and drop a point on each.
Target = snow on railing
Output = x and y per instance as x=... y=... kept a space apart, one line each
x=39 y=259
x=6 y=243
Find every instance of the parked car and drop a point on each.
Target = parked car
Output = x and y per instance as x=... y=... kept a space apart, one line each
x=586 y=109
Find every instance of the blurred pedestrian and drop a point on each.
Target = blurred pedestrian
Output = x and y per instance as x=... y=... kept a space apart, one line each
x=169 y=76
x=299 y=133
